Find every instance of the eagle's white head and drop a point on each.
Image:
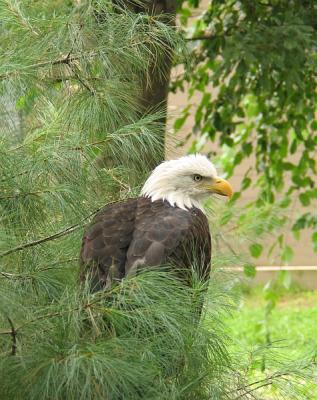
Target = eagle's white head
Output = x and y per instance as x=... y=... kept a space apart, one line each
x=185 y=182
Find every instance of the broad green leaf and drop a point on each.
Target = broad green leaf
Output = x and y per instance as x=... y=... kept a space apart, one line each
x=314 y=240
x=226 y=216
x=256 y=250
x=285 y=278
x=287 y=254
x=246 y=182
x=249 y=270
x=285 y=202
x=180 y=122
x=304 y=199
x=313 y=125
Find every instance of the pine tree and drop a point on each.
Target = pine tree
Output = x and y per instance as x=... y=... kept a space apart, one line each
x=70 y=76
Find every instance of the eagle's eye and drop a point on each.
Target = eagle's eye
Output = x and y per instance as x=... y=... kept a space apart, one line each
x=197 y=178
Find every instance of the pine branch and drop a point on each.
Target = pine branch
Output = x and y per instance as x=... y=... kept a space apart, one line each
x=85 y=84
x=14 y=336
x=86 y=306
x=269 y=380
x=60 y=61
x=15 y=10
x=57 y=235
x=25 y=194
x=13 y=176
x=63 y=232
x=10 y=275
x=96 y=143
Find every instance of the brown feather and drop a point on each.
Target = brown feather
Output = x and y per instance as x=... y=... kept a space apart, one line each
x=138 y=233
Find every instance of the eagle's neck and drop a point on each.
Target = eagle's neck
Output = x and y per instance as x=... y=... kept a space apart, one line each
x=176 y=198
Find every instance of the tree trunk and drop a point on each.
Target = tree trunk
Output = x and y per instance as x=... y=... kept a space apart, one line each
x=155 y=91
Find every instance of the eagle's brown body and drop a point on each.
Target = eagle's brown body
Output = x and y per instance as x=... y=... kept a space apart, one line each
x=137 y=233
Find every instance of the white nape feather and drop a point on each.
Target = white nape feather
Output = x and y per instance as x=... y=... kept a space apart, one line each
x=173 y=181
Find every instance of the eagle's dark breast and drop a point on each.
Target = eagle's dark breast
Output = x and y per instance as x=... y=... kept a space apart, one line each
x=136 y=233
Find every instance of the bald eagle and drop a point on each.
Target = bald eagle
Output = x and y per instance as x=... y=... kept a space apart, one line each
x=165 y=225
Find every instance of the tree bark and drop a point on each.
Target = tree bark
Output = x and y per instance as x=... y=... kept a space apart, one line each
x=155 y=91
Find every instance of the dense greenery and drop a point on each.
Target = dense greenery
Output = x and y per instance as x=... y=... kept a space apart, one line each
x=295 y=316
x=135 y=341
x=73 y=138
x=254 y=66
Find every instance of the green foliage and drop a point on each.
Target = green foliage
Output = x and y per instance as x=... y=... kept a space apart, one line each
x=112 y=344
x=295 y=316
x=240 y=231
x=249 y=270
x=73 y=138
x=90 y=58
x=254 y=67
x=253 y=70
x=256 y=249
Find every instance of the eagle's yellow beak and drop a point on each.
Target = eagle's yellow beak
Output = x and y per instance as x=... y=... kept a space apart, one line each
x=220 y=186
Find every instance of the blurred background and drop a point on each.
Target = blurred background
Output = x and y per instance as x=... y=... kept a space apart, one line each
x=302 y=265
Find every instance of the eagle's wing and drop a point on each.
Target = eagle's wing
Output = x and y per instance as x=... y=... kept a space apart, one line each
x=166 y=234
x=140 y=233
x=106 y=242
